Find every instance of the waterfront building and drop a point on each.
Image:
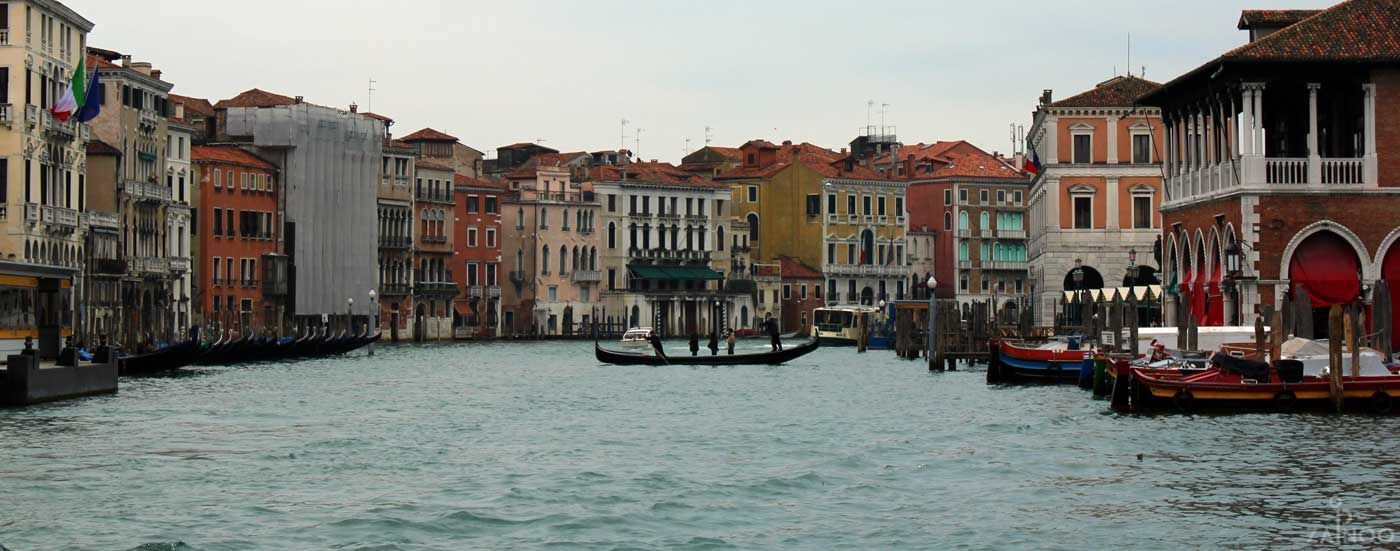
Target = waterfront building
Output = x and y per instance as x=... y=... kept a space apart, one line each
x=512 y=157
x=767 y=278
x=42 y=159
x=478 y=254
x=969 y=206
x=711 y=161
x=446 y=149
x=434 y=216
x=1283 y=154
x=823 y=208
x=396 y=229
x=197 y=113
x=801 y=296
x=1095 y=202
x=179 y=175
x=100 y=306
x=327 y=160
x=550 y=249
x=664 y=249
x=238 y=240
x=134 y=120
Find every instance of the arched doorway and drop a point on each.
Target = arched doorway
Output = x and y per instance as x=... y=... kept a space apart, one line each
x=1091 y=279
x=1326 y=266
x=743 y=316
x=867 y=296
x=636 y=316
x=568 y=319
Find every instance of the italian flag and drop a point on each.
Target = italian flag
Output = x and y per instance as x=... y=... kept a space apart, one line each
x=72 y=99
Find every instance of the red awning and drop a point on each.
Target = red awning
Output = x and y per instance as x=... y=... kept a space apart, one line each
x=1326 y=267
x=1390 y=272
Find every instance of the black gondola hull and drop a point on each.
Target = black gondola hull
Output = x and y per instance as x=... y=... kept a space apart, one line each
x=764 y=358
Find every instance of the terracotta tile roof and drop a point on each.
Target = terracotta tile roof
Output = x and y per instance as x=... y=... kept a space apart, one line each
x=729 y=152
x=400 y=144
x=196 y=106
x=923 y=152
x=1120 y=91
x=1355 y=30
x=255 y=98
x=1273 y=18
x=762 y=144
x=432 y=165
x=429 y=135
x=523 y=145
x=793 y=269
x=976 y=164
x=228 y=154
x=767 y=269
x=824 y=161
x=558 y=159
x=377 y=116
x=99 y=147
x=464 y=180
x=661 y=174
x=100 y=63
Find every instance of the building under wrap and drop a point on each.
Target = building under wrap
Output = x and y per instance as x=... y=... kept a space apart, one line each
x=328 y=161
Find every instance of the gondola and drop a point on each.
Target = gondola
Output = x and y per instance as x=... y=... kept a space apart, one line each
x=763 y=358
x=166 y=359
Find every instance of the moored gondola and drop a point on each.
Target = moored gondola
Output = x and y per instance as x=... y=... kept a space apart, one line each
x=166 y=359
x=763 y=358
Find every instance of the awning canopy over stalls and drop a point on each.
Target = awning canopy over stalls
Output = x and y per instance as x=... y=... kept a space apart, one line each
x=1109 y=294
x=678 y=273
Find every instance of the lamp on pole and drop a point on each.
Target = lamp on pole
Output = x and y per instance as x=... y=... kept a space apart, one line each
x=374 y=313
x=1079 y=288
x=932 y=284
x=349 y=315
x=1233 y=261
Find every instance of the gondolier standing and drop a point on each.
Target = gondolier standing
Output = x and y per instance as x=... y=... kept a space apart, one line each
x=771 y=326
x=730 y=340
x=714 y=344
x=694 y=344
x=655 y=341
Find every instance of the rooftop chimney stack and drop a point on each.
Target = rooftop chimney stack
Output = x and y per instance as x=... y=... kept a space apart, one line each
x=126 y=61
x=353 y=108
x=300 y=99
x=1046 y=97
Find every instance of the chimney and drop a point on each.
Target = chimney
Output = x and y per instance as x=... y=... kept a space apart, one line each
x=354 y=108
x=155 y=74
x=787 y=142
x=1047 y=97
x=843 y=151
x=300 y=99
x=126 y=61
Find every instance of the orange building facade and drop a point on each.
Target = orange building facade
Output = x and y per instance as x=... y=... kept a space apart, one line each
x=238 y=238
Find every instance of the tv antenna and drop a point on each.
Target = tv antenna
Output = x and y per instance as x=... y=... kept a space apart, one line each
x=638 y=147
x=622 y=136
x=369 y=105
x=709 y=133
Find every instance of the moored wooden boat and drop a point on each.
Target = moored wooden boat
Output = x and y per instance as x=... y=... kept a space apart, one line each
x=762 y=358
x=1233 y=385
x=166 y=359
x=1052 y=362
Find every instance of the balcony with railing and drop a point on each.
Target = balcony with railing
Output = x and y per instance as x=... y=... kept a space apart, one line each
x=4 y=37
x=31 y=116
x=1006 y=265
x=395 y=241
x=587 y=276
x=435 y=288
x=6 y=113
x=179 y=264
x=62 y=129
x=146 y=191
x=148 y=118
x=1296 y=159
x=476 y=291
x=669 y=256
x=493 y=291
x=866 y=270
x=967 y=264
x=100 y=219
x=149 y=266
x=1011 y=234
x=55 y=219
x=435 y=196
x=391 y=289
x=112 y=267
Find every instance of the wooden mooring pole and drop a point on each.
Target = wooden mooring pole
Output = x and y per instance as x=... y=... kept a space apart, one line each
x=1336 y=329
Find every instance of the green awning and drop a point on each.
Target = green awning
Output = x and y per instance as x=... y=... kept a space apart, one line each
x=675 y=273
x=146 y=156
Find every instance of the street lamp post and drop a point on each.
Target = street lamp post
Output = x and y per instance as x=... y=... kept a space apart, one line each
x=350 y=315
x=374 y=314
x=1233 y=254
x=932 y=319
x=1079 y=289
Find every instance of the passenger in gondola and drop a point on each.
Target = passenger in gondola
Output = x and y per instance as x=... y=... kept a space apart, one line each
x=694 y=344
x=29 y=347
x=68 y=355
x=714 y=344
x=730 y=339
x=655 y=341
x=103 y=354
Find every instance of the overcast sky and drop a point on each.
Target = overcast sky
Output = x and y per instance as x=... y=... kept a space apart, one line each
x=567 y=72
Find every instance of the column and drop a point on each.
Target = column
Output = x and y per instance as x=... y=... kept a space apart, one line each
x=1370 y=168
x=1111 y=203
x=1314 y=158
x=1248 y=128
x=1260 y=149
x=1051 y=155
x=1052 y=207
x=1113 y=140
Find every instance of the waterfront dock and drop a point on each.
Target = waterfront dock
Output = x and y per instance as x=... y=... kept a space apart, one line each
x=28 y=380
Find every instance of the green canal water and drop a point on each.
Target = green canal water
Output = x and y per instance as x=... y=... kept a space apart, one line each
x=536 y=445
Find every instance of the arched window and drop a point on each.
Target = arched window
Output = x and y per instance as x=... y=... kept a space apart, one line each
x=564 y=259
x=962 y=251
x=719 y=238
x=593 y=259
x=574 y=266
x=520 y=260
x=986 y=225
x=612 y=235
x=544 y=257
x=962 y=220
x=544 y=218
x=632 y=236
x=867 y=247
x=947 y=221
x=565 y=221
x=520 y=218
x=752 y=218
x=996 y=252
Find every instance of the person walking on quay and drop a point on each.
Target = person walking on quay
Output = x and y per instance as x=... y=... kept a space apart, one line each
x=694 y=343
x=730 y=340
x=714 y=344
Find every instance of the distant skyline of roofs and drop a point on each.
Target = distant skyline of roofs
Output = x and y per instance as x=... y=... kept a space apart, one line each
x=743 y=76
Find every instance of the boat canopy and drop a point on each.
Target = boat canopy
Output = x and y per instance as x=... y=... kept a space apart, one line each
x=1109 y=294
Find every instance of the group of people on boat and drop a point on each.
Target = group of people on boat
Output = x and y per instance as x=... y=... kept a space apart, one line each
x=770 y=327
